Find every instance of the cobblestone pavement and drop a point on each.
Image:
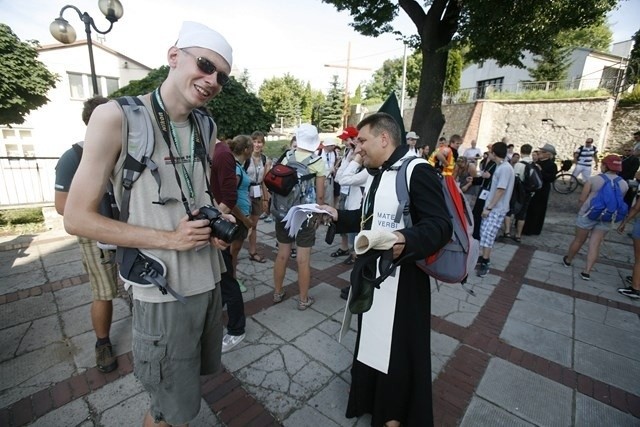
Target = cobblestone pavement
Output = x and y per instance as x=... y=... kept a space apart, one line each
x=536 y=345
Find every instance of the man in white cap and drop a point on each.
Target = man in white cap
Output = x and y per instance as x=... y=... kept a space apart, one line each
x=173 y=342
x=307 y=141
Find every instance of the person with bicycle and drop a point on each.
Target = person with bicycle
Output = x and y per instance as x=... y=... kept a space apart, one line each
x=538 y=205
x=585 y=157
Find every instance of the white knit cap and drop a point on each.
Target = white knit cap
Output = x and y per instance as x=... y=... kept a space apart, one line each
x=193 y=34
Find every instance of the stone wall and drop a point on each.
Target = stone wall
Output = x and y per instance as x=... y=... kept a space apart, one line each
x=626 y=121
x=565 y=124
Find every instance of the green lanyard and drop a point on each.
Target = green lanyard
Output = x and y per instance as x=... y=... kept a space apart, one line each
x=192 y=149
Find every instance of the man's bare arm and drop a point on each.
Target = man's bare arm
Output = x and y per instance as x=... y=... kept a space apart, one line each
x=60 y=199
x=102 y=146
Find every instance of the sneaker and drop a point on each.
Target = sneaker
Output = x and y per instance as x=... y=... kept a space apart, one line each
x=243 y=288
x=294 y=254
x=263 y=215
x=629 y=292
x=230 y=341
x=303 y=305
x=629 y=280
x=483 y=269
x=105 y=359
x=585 y=276
x=565 y=262
x=268 y=219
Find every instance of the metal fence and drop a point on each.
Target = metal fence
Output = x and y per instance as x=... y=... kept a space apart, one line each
x=491 y=90
x=26 y=180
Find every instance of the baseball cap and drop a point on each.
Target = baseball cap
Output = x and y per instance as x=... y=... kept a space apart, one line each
x=348 y=132
x=613 y=162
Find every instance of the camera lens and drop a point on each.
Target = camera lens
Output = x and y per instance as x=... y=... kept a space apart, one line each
x=225 y=230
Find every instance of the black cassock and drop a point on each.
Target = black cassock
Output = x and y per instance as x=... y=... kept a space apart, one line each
x=404 y=393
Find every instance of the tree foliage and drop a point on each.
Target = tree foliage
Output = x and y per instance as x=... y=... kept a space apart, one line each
x=235 y=110
x=388 y=78
x=333 y=107
x=632 y=76
x=490 y=29
x=552 y=64
x=286 y=97
x=25 y=80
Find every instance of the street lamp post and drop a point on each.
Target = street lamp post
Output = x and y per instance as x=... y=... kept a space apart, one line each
x=62 y=31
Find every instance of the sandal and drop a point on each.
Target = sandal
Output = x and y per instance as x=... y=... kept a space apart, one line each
x=340 y=252
x=349 y=261
x=517 y=239
x=257 y=258
x=279 y=296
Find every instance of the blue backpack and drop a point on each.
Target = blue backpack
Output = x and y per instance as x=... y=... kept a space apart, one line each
x=608 y=204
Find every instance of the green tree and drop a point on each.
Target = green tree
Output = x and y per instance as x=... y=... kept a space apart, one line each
x=284 y=97
x=245 y=80
x=25 y=80
x=491 y=29
x=632 y=76
x=552 y=64
x=333 y=107
x=388 y=78
x=145 y=85
x=235 y=110
x=357 y=96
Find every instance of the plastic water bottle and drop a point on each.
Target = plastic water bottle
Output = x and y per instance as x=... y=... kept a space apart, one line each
x=310 y=196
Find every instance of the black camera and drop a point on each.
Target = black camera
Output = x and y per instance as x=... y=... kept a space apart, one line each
x=220 y=227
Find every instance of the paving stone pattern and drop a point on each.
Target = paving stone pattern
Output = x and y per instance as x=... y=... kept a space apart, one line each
x=535 y=345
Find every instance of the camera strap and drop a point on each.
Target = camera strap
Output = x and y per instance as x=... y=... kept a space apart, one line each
x=163 y=123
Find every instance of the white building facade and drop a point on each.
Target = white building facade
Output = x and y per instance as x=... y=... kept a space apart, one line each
x=53 y=128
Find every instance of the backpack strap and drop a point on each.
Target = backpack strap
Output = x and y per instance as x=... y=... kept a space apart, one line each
x=402 y=191
x=137 y=121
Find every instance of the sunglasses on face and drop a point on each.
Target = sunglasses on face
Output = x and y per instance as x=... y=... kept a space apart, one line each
x=207 y=67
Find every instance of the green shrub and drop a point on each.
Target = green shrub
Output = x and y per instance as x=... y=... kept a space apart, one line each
x=632 y=98
x=275 y=148
x=21 y=216
x=533 y=95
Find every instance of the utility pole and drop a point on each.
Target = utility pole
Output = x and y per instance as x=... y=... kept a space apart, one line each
x=404 y=80
x=345 y=111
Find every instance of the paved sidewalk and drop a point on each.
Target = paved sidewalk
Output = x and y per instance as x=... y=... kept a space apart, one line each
x=536 y=345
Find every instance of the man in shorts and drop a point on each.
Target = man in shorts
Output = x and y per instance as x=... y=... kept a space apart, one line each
x=102 y=271
x=173 y=342
x=497 y=204
x=307 y=141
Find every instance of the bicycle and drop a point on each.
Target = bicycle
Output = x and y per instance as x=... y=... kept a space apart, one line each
x=565 y=182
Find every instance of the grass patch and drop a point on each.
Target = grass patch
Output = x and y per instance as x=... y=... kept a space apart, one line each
x=21 y=221
x=533 y=95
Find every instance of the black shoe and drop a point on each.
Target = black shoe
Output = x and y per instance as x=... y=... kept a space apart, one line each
x=105 y=359
x=629 y=292
x=344 y=293
x=585 y=276
x=565 y=262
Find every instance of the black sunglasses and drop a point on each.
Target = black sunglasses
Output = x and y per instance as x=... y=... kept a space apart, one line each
x=207 y=67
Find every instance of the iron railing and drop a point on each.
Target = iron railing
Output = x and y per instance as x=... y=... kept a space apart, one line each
x=612 y=85
x=27 y=180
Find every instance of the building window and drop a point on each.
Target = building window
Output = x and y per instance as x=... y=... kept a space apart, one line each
x=17 y=143
x=485 y=86
x=81 y=85
x=76 y=84
x=112 y=85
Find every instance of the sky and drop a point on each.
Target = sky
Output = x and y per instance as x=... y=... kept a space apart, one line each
x=269 y=37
